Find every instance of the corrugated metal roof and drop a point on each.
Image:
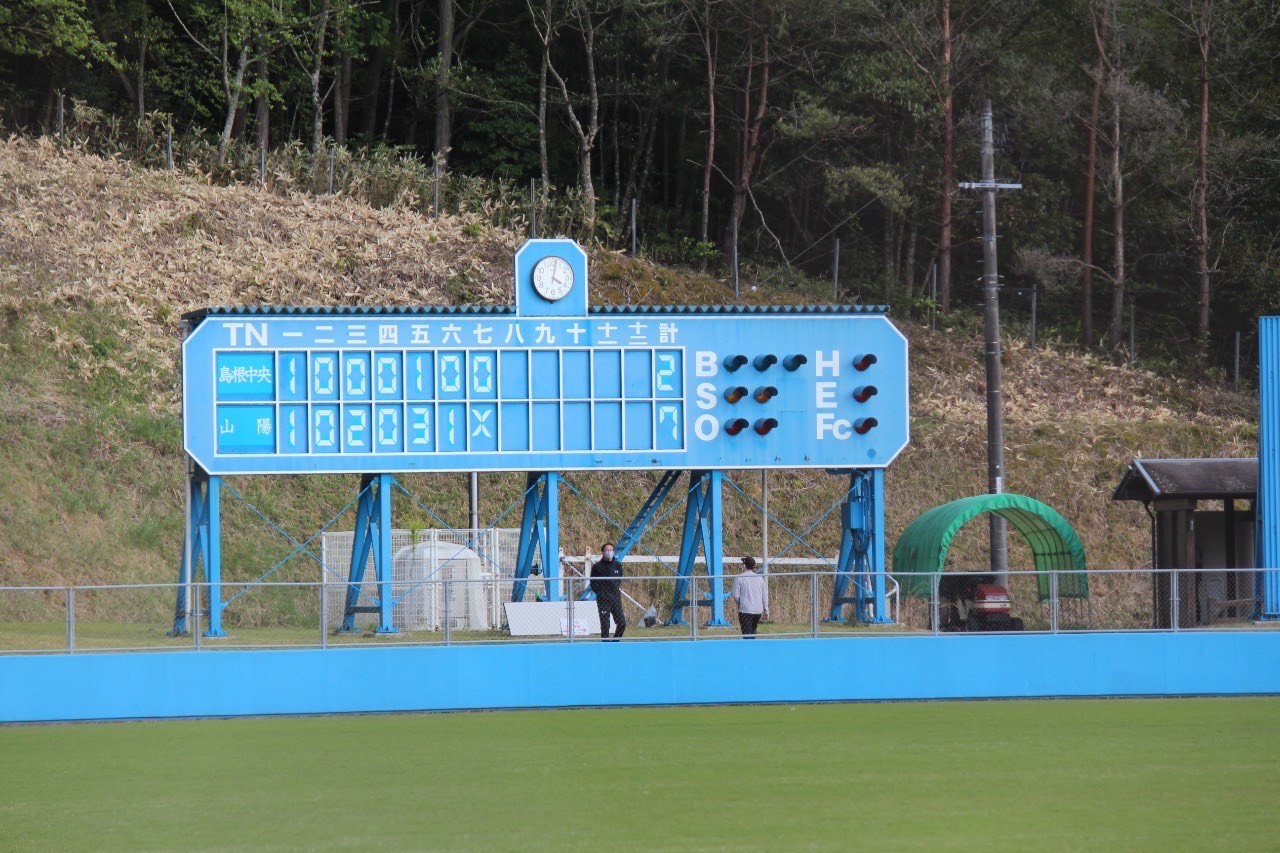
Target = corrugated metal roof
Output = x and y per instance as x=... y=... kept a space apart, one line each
x=509 y=310
x=1192 y=479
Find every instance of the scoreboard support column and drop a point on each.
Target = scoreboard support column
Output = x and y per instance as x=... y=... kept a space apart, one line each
x=702 y=528
x=202 y=550
x=372 y=536
x=861 y=561
x=539 y=534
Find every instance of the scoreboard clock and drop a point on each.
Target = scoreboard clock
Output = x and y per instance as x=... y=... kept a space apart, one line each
x=553 y=278
x=545 y=385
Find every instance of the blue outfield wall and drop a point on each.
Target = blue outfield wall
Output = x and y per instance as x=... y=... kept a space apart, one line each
x=433 y=678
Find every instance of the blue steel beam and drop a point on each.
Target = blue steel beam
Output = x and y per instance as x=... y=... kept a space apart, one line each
x=213 y=554
x=702 y=529
x=644 y=518
x=372 y=536
x=539 y=534
x=1268 y=542
x=382 y=557
x=861 y=563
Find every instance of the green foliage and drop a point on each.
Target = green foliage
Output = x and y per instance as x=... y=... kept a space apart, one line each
x=40 y=28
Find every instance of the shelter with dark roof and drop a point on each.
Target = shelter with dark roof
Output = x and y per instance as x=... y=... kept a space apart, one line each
x=1203 y=513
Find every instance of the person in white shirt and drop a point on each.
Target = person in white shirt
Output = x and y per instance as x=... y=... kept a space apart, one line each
x=751 y=594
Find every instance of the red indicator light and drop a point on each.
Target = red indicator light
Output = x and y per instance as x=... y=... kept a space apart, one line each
x=764 y=362
x=862 y=426
x=863 y=361
x=736 y=425
x=765 y=393
x=863 y=393
x=765 y=425
x=735 y=394
x=733 y=362
x=792 y=362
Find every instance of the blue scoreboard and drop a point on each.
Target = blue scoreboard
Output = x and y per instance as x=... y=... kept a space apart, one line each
x=546 y=385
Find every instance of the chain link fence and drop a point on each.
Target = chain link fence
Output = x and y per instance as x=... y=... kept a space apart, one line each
x=440 y=594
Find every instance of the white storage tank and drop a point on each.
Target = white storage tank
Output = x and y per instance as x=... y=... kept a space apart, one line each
x=419 y=573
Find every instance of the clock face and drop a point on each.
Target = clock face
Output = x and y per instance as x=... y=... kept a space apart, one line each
x=552 y=278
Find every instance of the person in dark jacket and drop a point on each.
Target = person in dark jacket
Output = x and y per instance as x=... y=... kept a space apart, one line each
x=607 y=585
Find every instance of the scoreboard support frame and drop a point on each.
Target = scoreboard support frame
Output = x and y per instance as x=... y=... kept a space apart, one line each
x=703 y=529
x=861 y=562
x=202 y=549
x=539 y=534
x=372 y=536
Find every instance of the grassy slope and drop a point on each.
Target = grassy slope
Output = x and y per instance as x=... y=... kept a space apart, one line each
x=98 y=260
x=1132 y=775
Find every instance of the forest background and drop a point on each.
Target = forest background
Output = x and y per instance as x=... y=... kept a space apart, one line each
x=1144 y=134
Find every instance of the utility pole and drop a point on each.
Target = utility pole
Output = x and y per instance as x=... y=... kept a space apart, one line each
x=991 y=327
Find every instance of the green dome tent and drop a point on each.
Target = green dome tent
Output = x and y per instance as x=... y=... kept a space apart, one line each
x=923 y=546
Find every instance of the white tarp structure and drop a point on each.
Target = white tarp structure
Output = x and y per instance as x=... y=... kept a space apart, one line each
x=476 y=564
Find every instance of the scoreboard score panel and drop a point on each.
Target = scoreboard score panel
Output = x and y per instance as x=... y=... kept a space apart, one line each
x=485 y=391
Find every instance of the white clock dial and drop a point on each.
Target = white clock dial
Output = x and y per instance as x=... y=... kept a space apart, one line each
x=552 y=277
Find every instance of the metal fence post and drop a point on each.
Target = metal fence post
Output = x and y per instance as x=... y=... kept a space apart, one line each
x=934 y=609
x=448 y=627
x=813 y=604
x=195 y=615
x=168 y=146
x=71 y=620
x=570 y=598
x=736 y=293
x=635 y=242
x=61 y=116
x=1053 y=601
x=1235 y=382
x=835 y=274
x=435 y=193
x=331 y=153
x=324 y=614
x=694 y=607
x=1174 y=615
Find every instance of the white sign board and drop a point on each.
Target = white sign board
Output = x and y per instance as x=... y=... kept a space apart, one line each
x=549 y=618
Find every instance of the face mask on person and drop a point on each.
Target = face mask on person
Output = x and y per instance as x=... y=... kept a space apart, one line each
x=608 y=553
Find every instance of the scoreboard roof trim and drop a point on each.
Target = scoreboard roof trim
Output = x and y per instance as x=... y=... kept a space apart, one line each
x=510 y=311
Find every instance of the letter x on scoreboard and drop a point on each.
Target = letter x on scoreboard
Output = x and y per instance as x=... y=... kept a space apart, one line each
x=545 y=385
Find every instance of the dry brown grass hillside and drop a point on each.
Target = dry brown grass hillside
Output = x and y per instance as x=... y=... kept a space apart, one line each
x=98 y=259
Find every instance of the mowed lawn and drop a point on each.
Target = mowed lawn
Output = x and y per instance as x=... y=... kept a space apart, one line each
x=1082 y=774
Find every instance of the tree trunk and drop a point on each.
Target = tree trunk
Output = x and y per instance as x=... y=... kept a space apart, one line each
x=234 y=87
x=752 y=124
x=948 y=164
x=587 y=133
x=317 y=66
x=709 y=55
x=1118 y=271
x=444 y=84
x=1091 y=178
x=369 y=114
x=1202 y=180
x=543 y=162
x=909 y=266
x=890 y=226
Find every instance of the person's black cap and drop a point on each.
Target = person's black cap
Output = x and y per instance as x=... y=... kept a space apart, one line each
x=749 y=562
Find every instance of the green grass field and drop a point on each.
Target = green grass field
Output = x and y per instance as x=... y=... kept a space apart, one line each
x=1117 y=774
